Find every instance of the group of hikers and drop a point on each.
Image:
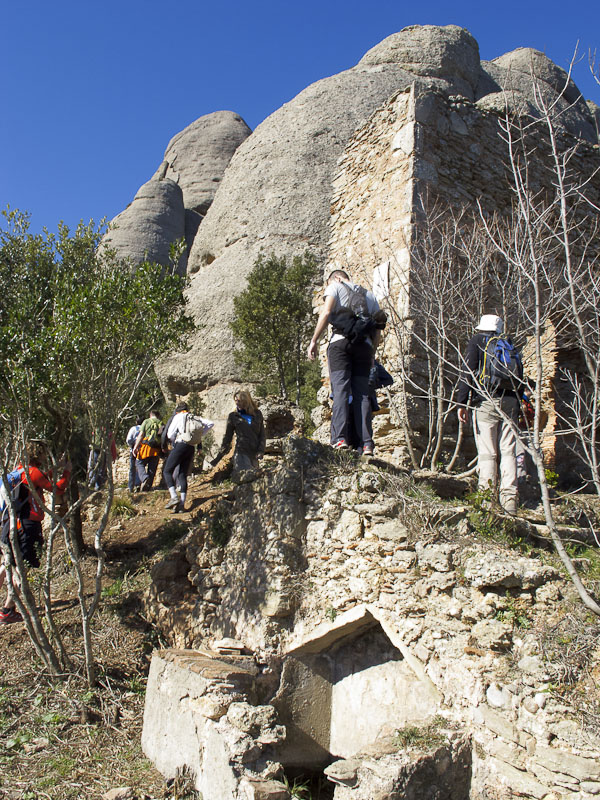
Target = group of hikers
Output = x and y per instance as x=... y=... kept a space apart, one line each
x=180 y=437
x=491 y=388
x=148 y=440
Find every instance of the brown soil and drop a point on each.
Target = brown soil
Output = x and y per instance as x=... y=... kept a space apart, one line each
x=58 y=739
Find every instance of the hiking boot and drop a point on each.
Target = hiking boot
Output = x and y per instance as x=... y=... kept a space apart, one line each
x=7 y=616
x=179 y=508
x=173 y=502
x=341 y=444
x=368 y=450
x=145 y=485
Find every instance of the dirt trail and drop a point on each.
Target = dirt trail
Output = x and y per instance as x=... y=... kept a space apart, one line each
x=58 y=739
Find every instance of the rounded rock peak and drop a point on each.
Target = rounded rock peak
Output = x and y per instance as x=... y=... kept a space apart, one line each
x=430 y=51
x=534 y=64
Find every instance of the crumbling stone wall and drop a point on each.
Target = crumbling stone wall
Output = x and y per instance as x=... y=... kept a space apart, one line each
x=312 y=550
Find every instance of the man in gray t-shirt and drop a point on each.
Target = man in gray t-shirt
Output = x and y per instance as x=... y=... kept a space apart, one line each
x=349 y=365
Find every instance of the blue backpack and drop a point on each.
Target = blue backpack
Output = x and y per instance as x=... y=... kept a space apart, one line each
x=502 y=369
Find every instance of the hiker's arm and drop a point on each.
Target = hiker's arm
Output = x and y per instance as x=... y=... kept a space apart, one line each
x=465 y=385
x=320 y=326
x=136 y=447
x=226 y=443
x=262 y=442
x=376 y=339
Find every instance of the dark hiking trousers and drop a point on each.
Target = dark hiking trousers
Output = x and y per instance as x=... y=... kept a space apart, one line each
x=349 y=366
x=183 y=455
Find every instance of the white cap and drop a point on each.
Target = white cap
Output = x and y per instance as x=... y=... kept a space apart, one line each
x=490 y=322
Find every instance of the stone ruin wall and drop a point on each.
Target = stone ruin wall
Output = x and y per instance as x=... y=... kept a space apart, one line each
x=419 y=145
x=316 y=560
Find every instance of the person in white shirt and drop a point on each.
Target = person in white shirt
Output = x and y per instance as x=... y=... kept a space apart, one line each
x=134 y=480
x=349 y=359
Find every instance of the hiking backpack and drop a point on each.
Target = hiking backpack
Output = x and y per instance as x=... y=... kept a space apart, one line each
x=353 y=320
x=152 y=438
x=501 y=369
x=194 y=428
x=14 y=492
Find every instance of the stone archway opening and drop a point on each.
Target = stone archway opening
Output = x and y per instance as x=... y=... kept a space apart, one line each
x=346 y=686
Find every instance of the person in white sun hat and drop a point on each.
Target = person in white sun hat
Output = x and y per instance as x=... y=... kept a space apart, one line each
x=491 y=385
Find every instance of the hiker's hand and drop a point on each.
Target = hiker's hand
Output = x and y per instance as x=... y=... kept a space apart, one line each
x=463 y=415
x=312 y=350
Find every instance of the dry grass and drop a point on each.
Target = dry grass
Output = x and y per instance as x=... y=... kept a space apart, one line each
x=58 y=739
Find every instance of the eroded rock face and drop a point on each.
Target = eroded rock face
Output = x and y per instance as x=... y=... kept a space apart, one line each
x=197 y=157
x=276 y=192
x=148 y=226
x=514 y=76
x=446 y=52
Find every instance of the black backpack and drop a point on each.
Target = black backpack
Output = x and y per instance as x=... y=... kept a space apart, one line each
x=353 y=320
x=19 y=498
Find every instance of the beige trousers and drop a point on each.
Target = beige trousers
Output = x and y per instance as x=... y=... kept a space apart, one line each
x=496 y=440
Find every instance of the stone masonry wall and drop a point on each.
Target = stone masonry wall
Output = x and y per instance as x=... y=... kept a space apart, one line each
x=307 y=545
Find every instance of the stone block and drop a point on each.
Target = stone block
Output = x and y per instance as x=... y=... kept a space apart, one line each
x=496 y=569
x=483 y=715
x=348 y=528
x=497 y=696
x=584 y=769
x=492 y=634
x=590 y=787
x=258 y=789
x=251 y=719
x=438 y=557
x=521 y=783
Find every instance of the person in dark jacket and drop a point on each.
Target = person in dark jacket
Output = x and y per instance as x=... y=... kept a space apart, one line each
x=248 y=425
x=495 y=416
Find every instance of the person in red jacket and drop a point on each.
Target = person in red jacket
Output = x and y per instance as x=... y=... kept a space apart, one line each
x=29 y=529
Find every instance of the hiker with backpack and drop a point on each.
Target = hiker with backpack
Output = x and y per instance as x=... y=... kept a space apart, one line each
x=492 y=384
x=184 y=432
x=147 y=449
x=357 y=322
x=133 y=481
x=29 y=515
x=248 y=425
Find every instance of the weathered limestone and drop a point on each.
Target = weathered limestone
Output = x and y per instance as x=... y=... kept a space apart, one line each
x=150 y=224
x=197 y=157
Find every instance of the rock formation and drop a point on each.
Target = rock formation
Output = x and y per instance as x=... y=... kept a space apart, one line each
x=148 y=226
x=339 y=170
x=276 y=192
x=197 y=157
x=170 y=206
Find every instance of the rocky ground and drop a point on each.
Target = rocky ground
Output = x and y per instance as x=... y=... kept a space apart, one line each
x=61 y=740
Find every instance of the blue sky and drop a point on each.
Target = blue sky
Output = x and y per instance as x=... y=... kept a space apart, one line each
x=92 y=93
